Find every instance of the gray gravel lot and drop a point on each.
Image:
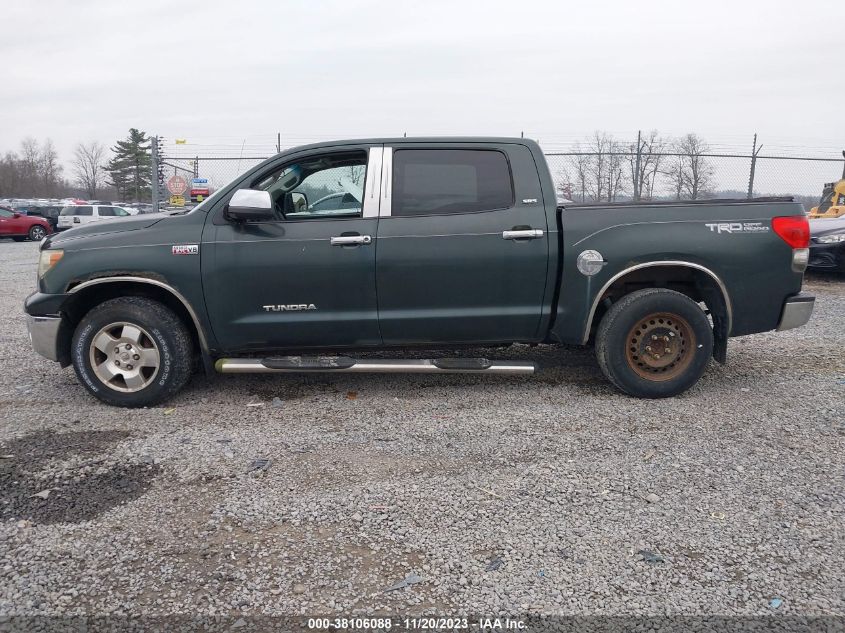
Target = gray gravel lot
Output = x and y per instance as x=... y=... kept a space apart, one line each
x=503 y=494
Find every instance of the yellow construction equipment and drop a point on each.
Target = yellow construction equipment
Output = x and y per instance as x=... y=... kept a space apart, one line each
x=832 y=203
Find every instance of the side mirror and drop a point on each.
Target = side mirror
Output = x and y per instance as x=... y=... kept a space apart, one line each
x=16 y=215
x=250 y=205
x=296 y=202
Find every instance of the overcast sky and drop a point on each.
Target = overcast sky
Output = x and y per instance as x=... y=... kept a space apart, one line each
x=219 y=73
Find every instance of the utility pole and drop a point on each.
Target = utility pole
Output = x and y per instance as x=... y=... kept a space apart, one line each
x=154 y=176
x=754 y=151
x=637 y=180
x=278 y=142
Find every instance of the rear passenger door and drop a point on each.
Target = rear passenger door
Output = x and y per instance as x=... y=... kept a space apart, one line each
x=462 y=248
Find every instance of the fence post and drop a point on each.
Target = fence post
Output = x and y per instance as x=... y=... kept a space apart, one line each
x=754 y=151
x=637 y=180
x=154 y=179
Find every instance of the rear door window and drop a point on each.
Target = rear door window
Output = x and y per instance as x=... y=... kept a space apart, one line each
x=105 y=211
x=443 y=181
x=78 y=210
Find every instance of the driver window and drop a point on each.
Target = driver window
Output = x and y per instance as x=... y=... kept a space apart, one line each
x=327 y=186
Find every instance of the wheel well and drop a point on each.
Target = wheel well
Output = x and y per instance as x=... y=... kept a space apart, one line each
x=80 y=303
x=698 y=285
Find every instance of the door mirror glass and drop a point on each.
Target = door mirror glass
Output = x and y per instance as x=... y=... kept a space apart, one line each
x=250 y=205
x=295 y=202
x=16 y=215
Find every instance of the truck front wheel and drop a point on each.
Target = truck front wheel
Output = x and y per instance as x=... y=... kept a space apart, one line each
x=132 y=352
x=654 y=343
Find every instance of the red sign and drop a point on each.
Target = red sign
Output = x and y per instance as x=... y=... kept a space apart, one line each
x=177 y=185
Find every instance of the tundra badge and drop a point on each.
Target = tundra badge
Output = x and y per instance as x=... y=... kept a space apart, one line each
x=289 y=307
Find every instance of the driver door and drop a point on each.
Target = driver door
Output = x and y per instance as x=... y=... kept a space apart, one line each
x=307 y=278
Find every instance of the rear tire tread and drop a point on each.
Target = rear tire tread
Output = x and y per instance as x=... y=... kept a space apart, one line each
x=611 y=360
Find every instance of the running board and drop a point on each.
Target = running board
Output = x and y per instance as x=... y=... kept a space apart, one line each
x=347 y=365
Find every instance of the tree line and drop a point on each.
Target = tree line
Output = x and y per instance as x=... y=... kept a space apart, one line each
x=602 y=169
x=121 y=172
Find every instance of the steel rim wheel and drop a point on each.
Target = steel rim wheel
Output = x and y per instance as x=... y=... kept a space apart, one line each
x=37 y=233
x=660 y=346
x=124 y=357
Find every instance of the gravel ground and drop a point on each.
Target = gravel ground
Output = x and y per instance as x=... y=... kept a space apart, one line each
x=550 y=494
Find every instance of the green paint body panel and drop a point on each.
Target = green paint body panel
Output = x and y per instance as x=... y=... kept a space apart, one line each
x=425 y=280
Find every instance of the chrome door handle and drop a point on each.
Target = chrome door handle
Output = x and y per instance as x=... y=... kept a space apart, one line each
x=351 y=240
x=522 y=234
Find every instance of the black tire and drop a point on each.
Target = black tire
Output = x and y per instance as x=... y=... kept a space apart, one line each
x=161 y=331
x=679 y=330
x=37 y=232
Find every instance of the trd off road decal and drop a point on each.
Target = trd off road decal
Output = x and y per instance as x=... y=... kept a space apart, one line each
x=737 y=227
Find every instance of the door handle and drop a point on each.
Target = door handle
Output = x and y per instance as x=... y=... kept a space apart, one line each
x=351 y=240
x=522 y=234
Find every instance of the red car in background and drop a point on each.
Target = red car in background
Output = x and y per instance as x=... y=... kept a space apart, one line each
x=19 y=226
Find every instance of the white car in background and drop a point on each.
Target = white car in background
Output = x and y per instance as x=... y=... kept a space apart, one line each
x=79 y=214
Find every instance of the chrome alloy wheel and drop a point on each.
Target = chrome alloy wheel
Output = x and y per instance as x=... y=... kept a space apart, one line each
x=124 y=357
x=37 y=233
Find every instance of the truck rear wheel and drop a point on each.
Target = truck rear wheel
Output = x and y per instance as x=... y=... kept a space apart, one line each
x=132 y=352
x=654 y=343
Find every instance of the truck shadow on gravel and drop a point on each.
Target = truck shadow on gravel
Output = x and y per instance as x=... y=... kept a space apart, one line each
x=76 y=493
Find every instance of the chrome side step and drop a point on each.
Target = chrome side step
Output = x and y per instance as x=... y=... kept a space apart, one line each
x=347 y=365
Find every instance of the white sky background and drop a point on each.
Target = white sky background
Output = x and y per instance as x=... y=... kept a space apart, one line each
x=225 y=73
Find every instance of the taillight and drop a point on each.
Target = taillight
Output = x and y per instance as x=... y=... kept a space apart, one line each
x=793 y=229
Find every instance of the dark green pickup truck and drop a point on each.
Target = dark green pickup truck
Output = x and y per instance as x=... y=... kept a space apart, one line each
x=331 y=250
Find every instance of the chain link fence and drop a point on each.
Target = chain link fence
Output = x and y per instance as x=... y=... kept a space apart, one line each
x=614 y=176
x=588 y=177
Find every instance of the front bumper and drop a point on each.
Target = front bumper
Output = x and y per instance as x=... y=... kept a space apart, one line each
x=796 y=311
x=44 y=335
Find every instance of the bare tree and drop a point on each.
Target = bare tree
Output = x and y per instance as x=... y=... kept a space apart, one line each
x=576 y=184
x=698 y=179
x=676 y=172
x=88 y=167
x=597 y=170
x=49 y=168
x=572 y=177
x=10 y=175
x=604 y=169
x=28 y=167
x=643 y=172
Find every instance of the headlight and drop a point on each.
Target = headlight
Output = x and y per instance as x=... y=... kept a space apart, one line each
x=831 y=239
x=47 y=260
